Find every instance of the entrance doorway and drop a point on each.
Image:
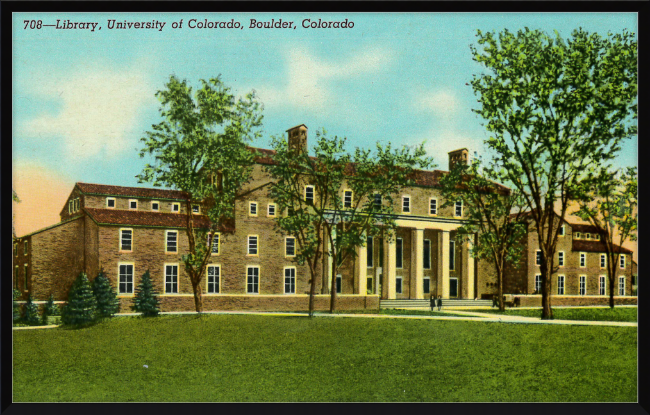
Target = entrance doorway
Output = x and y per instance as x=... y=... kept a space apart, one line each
x=453 y=287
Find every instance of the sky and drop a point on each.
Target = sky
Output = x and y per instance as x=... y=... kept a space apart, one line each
x=82 y=99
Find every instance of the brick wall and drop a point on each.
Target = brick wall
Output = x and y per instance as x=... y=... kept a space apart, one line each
x=536 y=300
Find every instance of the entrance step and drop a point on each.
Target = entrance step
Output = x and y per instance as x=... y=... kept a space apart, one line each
x=426 y=303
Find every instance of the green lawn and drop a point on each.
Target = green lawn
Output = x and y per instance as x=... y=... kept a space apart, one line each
x=422 y=313
x=591 y=314
x=218 y=358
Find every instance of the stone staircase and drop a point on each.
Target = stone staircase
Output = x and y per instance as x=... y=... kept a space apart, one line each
x=425 y=303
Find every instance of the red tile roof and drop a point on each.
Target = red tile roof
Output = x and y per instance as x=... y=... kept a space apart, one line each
x=579 y=227
x=153 y=193
x=144 y=218
x=595 y=246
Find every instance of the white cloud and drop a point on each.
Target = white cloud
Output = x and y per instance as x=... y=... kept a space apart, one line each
x=443 y=103
x=99 y=109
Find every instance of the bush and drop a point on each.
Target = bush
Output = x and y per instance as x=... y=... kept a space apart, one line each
x=145 y=301
x=107 y=302
x=50 y=309
x=30 y=313
x=82 y=306
x=16 y=306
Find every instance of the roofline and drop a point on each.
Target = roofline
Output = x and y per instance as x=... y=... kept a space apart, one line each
x=52 y=226
x=136 y=226
x=293 y=128
x=133 y=187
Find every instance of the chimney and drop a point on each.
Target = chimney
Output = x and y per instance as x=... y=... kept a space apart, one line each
x=458 y=156
x=297 y=137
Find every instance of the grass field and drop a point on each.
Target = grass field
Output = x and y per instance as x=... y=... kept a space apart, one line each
x=422 y=313
x=590 y=314
x=220 y=358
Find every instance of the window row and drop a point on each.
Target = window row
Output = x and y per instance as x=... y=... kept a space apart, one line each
x=399 y=254
x=154 y=205
x=74 y=205
x=582 y=259
x=126 y=272
x=582 y=285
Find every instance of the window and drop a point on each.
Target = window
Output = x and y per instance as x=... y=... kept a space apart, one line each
x=369 y=285
x=433 y=206
x=377 y=201
x=196 y=209
x=426 y=285
x=125 y=278
x=452 y=256
x=560 y=259
x=601 y=285
x=538 y=257
x=381 y=252
x=347 y=198
x=215 y=243
x=133 y=204
x=621 y=284
x=427 y=254
x=597 y=237
x=583 y=259
x=583 y=285
x=459 y=208
x=290 y=246
x=25 y=268
x=171 y=279
x=25 y=248
x=406 y=204
x=252 y=209
x=214 y=272
x=171 y=241
x=252 y=245
x=16 y=248
x=126 y=240
x=561 y=233
x=560 y=284
x=399 y=252
x=290 y=280
x=155 y=205
x=622 y=261
x=577 y=234
x=70 y=206
x=538 y=284
x=110 y=202
x=176 y=207
x=370 y=251
x=309 y=194
x=271 y=210
x=339 y=284
x=253 y=281
x=603 y=260
x=77 y=205
x=398 y=285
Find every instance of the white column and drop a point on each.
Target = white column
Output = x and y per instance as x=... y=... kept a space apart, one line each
x=468 y=270
x=443 y=263
x=390 y=266
x=362 y=261
x=417 y=262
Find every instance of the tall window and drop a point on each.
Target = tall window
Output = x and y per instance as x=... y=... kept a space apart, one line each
x=538 y=284
x=398 y=285
x=452 y=256
x=214 y=273
x=561 y=233
x=601 y=285
x=252 y=245
x=369 y=285
x=171 y=243
x=399 y=254
x=433 y=206
x=427 y=254
x=583 y=259
x=70 y=206
x=126 y=239
x=309 y=194
x=538 y=257
x=253 y=283
x=215 y=243
x=406 y=204
x=621 y=285
x=426 y=285
x=560 y=259
x=458 y=208
x=252 y=208
x=603 y=260
x=583 y=285
x=290 y=280
x=16 y=277
x=125 y=279
x=290 y=246
x=171 y=279
x=347 y=198
x=560 y=284
x=25 y=248
x=25 y=268
x=339 y=284
x=381 y=252
x=370 y=251
x=622 y=261
x=377 y=201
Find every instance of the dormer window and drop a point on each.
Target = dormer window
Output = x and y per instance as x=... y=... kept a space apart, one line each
x=588 y=236
x=110 y=202
x=176 y=207
x=155 y=205
x=133 y=204
x=196 y=209
x=597 y=237
x=577 y=235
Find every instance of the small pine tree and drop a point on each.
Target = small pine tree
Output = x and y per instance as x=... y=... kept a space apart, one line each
x=30 y=313
x=145 y=301
x=16 y=306
x=107 y=302
x=82 y=306
x=50 y=309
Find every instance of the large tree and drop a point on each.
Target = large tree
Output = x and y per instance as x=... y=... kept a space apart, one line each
x=327 y=217
x=608 y=200
x=200 y=148
x=554 y=107
x=494 y=227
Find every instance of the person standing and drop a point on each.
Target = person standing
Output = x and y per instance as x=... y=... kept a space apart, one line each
x=432 y=302
x=439 y=302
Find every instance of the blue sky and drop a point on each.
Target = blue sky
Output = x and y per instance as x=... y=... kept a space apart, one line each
x=83 y=99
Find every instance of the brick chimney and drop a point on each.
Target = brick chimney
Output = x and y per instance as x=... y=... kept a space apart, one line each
x=458 y=156
x=297 y=137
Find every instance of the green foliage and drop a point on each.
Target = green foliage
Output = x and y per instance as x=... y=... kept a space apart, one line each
x=107 y=302
x=51 y=309
x=145 y=300
x=16 y=306
x=82 y=306
x=30 y=313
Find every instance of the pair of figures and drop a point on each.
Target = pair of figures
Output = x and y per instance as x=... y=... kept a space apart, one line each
x=436 y=302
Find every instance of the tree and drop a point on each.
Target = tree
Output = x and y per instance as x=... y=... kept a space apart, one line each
x=608 y=200
x=200 y=149
x=107 y=302
x=82 y=306
x=494 y=227
x=553 y=108
x=327 y=216
x=30 y=313
x=145 y=300
x=16 y=306
x=51 y=309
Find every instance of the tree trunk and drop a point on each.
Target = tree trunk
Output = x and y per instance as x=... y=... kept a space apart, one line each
x=547 y=311
x=198 y=298
x=333 y=286
x=312 y=290
x=612 y=279
x=502 y=304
